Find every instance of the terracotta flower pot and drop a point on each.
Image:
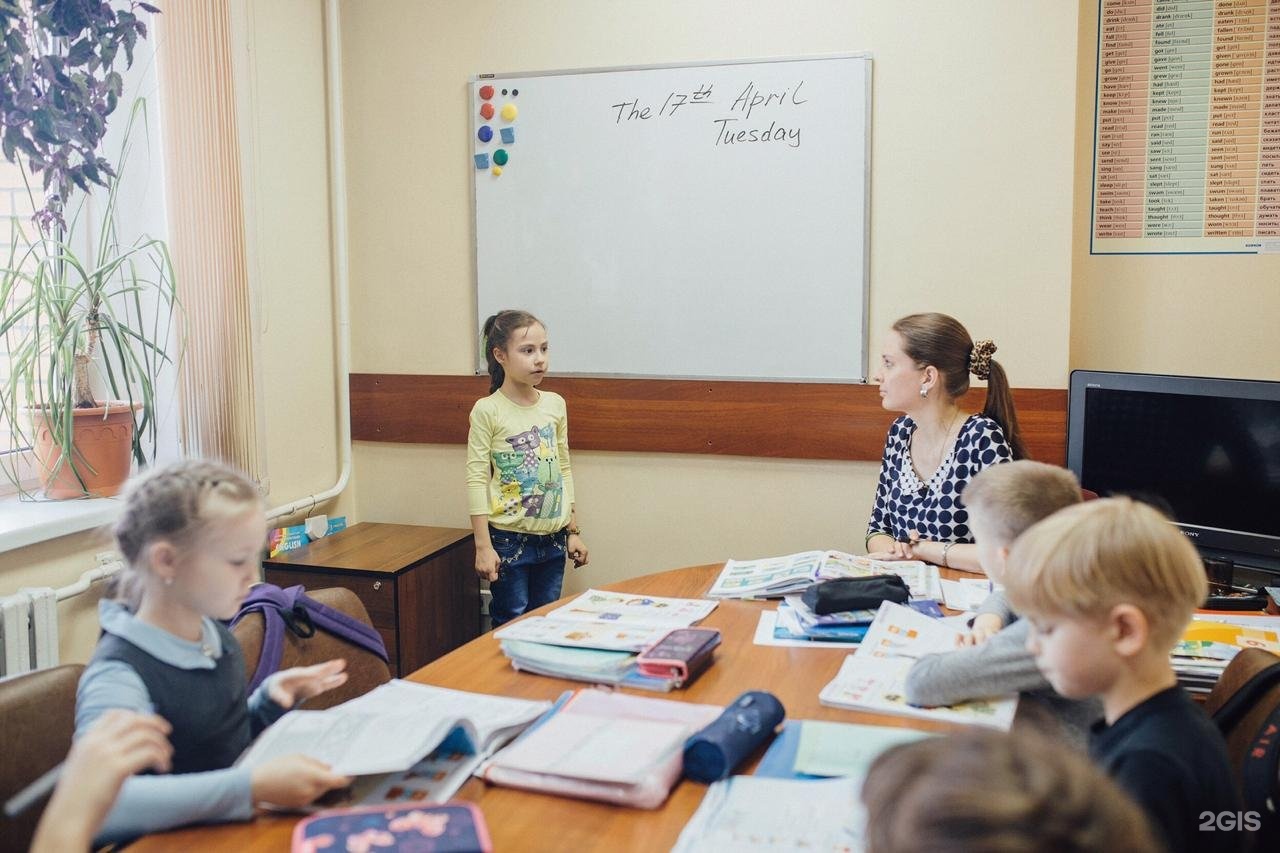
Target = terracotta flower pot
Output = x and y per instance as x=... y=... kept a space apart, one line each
x=103 y=441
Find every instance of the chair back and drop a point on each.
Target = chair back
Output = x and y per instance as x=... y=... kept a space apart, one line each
x=365 y=670
x=37 y=722
x=1245 y=705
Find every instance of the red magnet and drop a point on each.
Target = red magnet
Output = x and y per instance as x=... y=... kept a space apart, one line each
x=486 y=92
x=486 y=111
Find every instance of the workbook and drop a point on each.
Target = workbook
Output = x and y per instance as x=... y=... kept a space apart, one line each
x=619 y=608
x=596 y=666
x=601 y=745
x=817 y=749
x=746 y=813
x=774 y=577
x=582 y=634
x=406 y=741
x=873 y=678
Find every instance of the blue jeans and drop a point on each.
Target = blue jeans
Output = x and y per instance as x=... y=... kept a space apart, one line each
x=529 y=574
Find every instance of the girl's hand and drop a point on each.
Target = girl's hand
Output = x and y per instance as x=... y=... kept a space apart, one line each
x=119 y=744
x=577 y=550
x=290 y=686
x=293 y=781
x=487 y=563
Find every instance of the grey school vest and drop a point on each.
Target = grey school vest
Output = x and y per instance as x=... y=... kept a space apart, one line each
x=207 y=708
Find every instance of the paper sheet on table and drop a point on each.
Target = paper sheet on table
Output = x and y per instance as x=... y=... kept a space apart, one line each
x=845 y=749
x=752 y=813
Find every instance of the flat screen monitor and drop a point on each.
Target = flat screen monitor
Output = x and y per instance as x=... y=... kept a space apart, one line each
x=1206 y=451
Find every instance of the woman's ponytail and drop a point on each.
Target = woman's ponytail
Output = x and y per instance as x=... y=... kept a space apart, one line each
x=999 y=407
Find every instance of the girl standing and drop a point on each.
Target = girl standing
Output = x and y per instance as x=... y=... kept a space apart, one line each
x=191 y=535
x=519 y=484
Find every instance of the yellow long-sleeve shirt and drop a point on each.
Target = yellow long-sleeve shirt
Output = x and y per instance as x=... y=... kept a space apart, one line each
x=518 y=470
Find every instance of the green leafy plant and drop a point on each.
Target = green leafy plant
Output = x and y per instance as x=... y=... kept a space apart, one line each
x=82 y=309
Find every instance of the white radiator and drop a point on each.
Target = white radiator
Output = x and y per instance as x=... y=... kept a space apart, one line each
x=29 y=621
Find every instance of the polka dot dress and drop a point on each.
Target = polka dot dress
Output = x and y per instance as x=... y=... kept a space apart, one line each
x=904 y=502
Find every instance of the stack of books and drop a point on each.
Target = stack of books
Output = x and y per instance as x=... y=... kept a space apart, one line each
x=1210 y=642
x=796 y=621
x=597 y=636
x=775 y=577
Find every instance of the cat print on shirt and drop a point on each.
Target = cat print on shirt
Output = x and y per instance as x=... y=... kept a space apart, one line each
x=529 y=477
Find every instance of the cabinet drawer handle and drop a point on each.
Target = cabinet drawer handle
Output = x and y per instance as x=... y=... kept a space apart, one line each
x=377 y=584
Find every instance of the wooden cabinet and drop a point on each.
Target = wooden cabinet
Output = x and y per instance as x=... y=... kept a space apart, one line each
x=418 y=584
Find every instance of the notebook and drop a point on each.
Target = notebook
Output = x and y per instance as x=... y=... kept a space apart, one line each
x=450 y=828
x=604 y=746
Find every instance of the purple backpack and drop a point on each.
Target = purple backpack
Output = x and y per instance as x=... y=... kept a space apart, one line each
x=298 y=612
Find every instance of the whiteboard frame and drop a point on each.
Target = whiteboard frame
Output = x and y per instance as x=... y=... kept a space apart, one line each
x=864 y=355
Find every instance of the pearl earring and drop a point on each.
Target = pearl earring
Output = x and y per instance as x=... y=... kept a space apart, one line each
x=924 y=392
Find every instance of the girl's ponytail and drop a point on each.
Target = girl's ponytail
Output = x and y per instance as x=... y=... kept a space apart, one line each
x=495 y=333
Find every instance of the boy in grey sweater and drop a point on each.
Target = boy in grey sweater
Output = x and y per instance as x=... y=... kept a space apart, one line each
x=1003 y=501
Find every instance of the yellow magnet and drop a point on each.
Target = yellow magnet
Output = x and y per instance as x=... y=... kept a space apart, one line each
x=509 y=112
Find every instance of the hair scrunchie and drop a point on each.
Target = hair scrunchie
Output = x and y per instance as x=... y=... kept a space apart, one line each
x=980 y=358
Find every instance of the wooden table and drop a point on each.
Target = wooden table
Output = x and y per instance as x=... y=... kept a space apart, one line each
x=418 y=584
x=522 y=821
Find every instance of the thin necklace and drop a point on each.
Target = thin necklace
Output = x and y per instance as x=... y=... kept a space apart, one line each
x=942 y=444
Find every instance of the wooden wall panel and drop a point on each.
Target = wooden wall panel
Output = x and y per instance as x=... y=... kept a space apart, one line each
x=769 y=419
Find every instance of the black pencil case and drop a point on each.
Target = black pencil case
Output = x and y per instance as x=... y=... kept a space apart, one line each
x=841 y=594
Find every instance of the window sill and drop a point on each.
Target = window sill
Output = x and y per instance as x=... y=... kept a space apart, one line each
x=24 y=523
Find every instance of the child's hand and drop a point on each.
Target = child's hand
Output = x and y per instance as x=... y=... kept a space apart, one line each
x=487 y=563
x=984 y=626
x=577 y=550
x=119 y=744
x=292 y=781
x=288 y=687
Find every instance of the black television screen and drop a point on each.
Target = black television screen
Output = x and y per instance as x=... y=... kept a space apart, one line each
x=1206 y=451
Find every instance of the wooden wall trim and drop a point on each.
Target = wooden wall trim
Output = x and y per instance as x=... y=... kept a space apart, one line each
x=769 y=419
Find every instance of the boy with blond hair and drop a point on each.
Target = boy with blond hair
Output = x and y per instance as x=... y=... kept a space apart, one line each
x=1108 y=587
x=1003 y=501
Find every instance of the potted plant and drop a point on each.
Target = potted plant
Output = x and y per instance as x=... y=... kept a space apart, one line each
x=87 y=316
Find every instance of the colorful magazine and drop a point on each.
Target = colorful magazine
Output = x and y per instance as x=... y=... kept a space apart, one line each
x=774 y=577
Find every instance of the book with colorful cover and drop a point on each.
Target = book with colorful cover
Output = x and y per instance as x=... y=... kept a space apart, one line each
x=596 y=605
x=583 y=634
x=456 y=827
x=873 y=678
x=283 y=539
x=774 y=577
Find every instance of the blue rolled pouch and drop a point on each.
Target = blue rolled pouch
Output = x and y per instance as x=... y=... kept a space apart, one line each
x=749 y=721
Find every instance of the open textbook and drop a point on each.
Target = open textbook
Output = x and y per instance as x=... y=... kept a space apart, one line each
x=406 y=741
x=623 y=608
x=873 y=677
x=774 y=577
x=596 y=637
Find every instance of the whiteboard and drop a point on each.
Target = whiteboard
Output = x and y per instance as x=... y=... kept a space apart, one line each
x=704 y=220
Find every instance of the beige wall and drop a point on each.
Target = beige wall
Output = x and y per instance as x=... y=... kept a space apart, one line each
x=973 y=113
x=1195 y=315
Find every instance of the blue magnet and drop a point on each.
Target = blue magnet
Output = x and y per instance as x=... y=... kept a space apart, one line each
x=482 y=161
x=508 y=135
x=485 y=133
